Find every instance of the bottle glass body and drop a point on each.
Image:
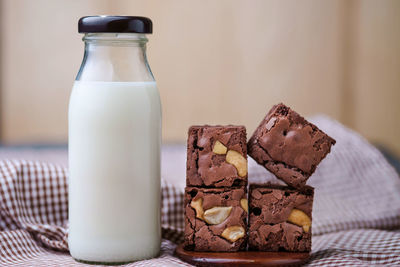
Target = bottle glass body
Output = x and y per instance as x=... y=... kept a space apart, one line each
x=114 y=152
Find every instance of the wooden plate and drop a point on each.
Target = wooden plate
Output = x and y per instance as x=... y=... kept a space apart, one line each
x=242 y=258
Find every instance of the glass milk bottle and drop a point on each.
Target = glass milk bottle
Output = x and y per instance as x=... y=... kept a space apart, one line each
x=114 y=145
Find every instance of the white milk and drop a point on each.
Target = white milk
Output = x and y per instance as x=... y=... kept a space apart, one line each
x=114 y=163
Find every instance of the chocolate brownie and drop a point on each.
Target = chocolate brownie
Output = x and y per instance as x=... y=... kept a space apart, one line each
x=280 y=218
x=289 y=146
x=215 y=219
x=216 y=156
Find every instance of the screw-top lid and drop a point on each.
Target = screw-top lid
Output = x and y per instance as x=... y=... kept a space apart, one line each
x=115 y=24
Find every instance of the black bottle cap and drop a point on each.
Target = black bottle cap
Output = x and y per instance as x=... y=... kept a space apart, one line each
x=115 y=24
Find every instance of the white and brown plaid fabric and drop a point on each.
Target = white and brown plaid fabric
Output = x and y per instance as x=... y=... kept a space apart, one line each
x=356 y=217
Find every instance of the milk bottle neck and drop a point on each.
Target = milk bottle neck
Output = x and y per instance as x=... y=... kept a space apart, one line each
x=115 y=57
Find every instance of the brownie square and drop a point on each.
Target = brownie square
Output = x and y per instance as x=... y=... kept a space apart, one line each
x=289 y=146
x=215 y=219
x=216 y=156
x=280 y=218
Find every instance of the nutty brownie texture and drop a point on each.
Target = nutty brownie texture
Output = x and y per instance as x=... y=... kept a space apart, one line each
x=215 y=219
x=280 y=218
x=216 y=156
x=289 y=146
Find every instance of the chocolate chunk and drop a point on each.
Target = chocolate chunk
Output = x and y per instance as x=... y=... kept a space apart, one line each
x=280 y=220
x=209 y=216
x=289 y=146
x=209 y=150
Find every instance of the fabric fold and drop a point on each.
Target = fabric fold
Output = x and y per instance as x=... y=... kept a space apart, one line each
x=357 y=192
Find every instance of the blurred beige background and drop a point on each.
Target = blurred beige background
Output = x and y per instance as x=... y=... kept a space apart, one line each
x=215 y=62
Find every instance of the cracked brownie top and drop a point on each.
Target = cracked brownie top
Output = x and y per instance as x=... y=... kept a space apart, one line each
x=288 y=145
x=216 y=156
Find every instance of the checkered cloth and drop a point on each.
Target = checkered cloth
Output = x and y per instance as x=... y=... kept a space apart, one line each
x=356 y=207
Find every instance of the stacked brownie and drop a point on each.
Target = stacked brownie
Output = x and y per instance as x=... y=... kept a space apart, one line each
x=216 y=189
x=291 y=148
x=216 y=205
x=280 y=218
